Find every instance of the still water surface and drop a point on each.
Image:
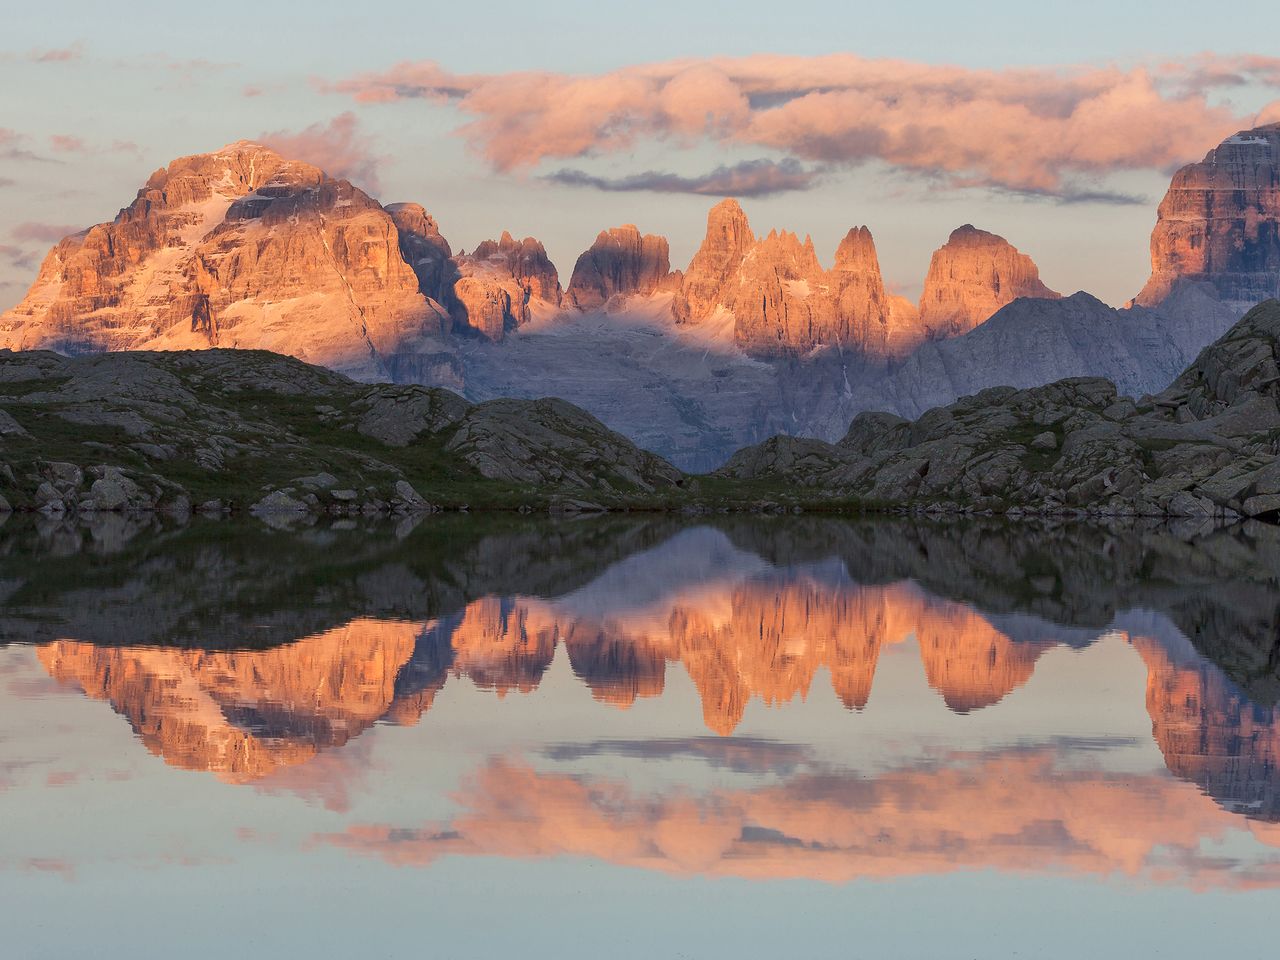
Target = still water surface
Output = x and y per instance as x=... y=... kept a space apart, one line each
x=638 y=738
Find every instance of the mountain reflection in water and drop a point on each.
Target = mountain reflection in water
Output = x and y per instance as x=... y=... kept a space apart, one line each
x=246 y=652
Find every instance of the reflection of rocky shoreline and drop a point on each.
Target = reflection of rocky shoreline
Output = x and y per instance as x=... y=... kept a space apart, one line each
x=217 y=585
x=746 y=610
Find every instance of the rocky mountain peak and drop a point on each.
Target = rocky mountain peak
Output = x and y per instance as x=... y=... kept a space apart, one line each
x=240 y=247
x=425 y=249
x=857 y=251
x=503 y=284
x=727 y=240
x=970 y=277
x=1219 y=223
x=781 y=297
x=620 y=263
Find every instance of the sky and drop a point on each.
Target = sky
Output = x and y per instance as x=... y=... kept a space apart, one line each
x=1058 y=131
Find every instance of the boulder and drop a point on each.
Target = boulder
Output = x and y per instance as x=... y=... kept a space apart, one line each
x=280 y=503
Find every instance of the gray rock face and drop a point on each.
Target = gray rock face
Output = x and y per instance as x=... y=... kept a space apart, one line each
x=112 y=491
x=10 y=427
x=278 y=502
x=551 y=442
x=397 y=415
x=696 y=401
x=1206 y=445
x=248 y=427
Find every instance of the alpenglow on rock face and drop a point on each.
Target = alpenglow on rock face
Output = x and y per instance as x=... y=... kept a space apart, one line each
x=503 y=284
x=1220 y=223
x=243 y=248
x=621 y=263
x=781 y=299
x=238 y=248
x=973 y=275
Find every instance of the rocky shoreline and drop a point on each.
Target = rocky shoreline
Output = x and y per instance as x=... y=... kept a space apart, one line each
x=222 y=431
x=1206 y=446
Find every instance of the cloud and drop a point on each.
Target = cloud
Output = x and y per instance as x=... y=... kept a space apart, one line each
x=64 y=868
x=1025 y=810
x=750 y=178
x=13 y=146
x=1031 y=129
x=7 y=182
x=752 y=755
x=52 y=55
x=18 y=257
x=1077 y=194
x=71 y=143
x=67 y=143
x=57 y=55
x=336 y=147
x=33 y=232
x=1207 y=72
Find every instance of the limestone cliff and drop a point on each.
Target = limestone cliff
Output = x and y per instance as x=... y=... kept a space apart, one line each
x=621 y=263
x=725 y=245
x=1219 y=223
x=970 y=277
x=237 y=248
x=780 y=297
x=503 y=284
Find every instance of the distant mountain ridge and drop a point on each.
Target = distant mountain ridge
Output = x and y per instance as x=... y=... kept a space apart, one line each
x=244 y=248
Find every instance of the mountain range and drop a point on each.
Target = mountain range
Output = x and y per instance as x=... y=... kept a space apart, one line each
x=246 y=248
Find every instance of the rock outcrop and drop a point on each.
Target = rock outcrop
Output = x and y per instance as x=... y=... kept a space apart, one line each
x=782 y=300
x=621 y=263
x=1219 y=223
x=1206 y=446
x=503 y=284
x=238 y=248
x=424 y=249
x=724 y=247
x=136 y=432
x=970 y=277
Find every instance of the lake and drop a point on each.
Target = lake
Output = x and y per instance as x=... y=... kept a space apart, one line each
x=638 y=737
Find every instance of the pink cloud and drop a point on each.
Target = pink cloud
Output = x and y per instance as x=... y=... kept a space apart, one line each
x=71 y=143
x=67 y=143
x=336 y=147
x=64 y=868
x=60 y=55
x=1019 y=129
x=13 y=145
x=42 y=232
